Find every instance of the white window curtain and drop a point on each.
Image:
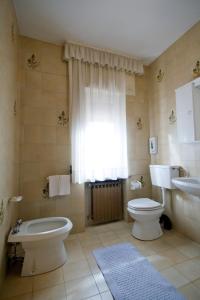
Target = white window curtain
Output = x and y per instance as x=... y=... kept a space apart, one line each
x=98 y=122
x=98 y=82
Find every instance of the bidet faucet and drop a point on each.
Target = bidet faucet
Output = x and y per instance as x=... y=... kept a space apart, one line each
x=16 y=227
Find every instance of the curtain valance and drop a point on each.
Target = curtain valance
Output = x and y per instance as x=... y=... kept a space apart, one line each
x=102 y=58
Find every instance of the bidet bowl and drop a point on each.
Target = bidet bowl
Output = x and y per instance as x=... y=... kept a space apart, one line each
x=41 y=229
x=42 y=241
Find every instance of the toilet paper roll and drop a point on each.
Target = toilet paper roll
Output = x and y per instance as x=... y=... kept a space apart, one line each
x=135 y=185
x=15 y=199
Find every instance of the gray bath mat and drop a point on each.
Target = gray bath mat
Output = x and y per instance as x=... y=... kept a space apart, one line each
x=130 y=276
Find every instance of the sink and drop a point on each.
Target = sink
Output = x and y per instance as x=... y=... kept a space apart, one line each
x=189 y=185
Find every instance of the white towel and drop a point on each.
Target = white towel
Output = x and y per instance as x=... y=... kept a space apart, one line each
x=53 y=185
x=64 y=185
x=59 y=185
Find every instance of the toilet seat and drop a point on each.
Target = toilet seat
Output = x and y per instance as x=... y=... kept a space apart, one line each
x=144 y=204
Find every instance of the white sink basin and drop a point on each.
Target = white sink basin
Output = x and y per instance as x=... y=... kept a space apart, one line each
x=189 y=185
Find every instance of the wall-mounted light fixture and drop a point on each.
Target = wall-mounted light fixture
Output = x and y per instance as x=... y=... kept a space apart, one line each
x=196 y=70
x=160 y=76
x=33 y=62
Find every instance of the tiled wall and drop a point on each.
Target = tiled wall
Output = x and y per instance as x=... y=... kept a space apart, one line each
x=9 y=122
x=177 y=64
x=45 y=145
x=138 y=152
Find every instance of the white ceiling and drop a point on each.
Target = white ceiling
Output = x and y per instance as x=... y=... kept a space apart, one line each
x=141 y=28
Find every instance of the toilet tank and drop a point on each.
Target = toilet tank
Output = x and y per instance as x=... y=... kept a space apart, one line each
x=161 y=175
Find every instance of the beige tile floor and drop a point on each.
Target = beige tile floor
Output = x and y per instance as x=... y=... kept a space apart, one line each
x=174 y=255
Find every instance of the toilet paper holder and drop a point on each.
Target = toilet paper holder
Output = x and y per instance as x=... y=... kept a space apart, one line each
x=141 y=180
x=137 y=184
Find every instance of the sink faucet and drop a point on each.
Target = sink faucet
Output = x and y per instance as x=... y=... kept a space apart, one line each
x=16 y=226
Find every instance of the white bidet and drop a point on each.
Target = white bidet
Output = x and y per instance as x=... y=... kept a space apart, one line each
x=42 y=241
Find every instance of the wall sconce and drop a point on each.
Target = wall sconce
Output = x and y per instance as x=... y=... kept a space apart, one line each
x=160 y=76
x=139 y=123
x=196 y=70
x=33 y=62
x=172 y=117
x=62 y=119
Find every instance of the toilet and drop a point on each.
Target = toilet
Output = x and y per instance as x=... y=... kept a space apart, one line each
x=43 y=243
x=146 y=212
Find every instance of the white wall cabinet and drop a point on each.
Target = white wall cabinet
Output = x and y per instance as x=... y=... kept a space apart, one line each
x=188 y=112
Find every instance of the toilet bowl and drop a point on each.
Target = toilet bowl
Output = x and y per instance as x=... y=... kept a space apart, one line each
x=42 y=241
x=146 y=214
